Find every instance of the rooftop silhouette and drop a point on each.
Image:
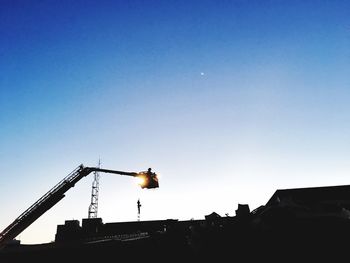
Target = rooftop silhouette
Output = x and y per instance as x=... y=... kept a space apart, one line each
x=301 y=224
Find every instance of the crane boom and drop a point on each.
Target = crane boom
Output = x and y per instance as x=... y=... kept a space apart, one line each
x=48 y=200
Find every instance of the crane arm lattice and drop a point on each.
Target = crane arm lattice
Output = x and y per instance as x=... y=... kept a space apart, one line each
x=47 y=201
x=53 y=196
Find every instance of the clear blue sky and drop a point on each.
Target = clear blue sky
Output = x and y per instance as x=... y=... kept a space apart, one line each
x=227 y=100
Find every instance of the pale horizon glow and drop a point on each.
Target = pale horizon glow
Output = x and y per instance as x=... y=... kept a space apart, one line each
x=227 y=100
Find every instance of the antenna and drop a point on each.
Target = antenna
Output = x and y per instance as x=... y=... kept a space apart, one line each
x=93 y=207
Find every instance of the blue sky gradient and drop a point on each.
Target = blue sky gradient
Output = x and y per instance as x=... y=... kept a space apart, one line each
x=227 y=100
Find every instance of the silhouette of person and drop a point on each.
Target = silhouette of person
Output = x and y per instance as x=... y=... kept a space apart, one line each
x=152 y=180
x=150 y=173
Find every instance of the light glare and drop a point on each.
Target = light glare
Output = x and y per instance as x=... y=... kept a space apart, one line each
x=140 y=180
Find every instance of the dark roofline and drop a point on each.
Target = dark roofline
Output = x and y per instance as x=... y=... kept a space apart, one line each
x=337 y=192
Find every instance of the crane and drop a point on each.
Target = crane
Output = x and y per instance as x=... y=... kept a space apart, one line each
x=147 y=179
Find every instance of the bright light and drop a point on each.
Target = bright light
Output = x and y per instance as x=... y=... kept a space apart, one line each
x=140 y=180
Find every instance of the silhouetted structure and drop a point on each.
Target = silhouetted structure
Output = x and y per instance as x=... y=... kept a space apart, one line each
x=57 y=193
x=138 y=209
x=300 y=225
x=242 y=210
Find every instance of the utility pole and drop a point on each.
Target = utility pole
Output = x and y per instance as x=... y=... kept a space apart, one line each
x=138 y=209
x=93 y=207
